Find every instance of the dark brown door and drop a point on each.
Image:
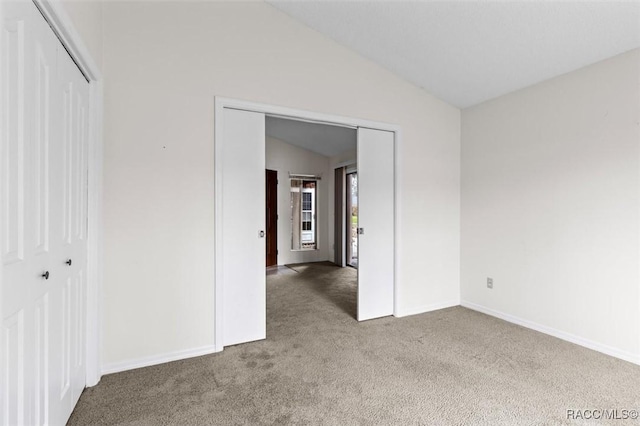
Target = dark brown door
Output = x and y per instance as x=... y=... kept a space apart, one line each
x=272 y=217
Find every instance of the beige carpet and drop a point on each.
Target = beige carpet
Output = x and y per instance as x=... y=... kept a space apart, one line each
x=319 y=366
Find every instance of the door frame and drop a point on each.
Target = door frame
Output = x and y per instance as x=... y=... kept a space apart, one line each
x=61 y=24
x=301 y=115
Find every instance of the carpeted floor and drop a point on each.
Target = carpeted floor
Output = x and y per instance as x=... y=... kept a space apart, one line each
x=320 y=366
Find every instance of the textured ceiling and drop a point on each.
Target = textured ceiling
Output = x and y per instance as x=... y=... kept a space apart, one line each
x=468 y=52
x=322 y=139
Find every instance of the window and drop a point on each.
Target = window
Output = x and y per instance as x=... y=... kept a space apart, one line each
x=306 y=221
x=303 y=214
x=306 y=201
x=307 y=212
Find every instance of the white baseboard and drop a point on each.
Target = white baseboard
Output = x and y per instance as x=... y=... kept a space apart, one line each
x=426 y=308
x=605 y=349
x=132 y=364
x=206 y=350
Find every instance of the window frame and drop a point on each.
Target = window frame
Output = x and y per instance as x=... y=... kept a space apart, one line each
x=304 y=213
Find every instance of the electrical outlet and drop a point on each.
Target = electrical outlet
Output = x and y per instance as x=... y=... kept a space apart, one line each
x=489 y=282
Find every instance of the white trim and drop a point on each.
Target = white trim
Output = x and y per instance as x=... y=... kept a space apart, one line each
x=61 y=24
x=397 y=249
x=427 y=308
x=95 y=239
x=218 y=228
x=117 y=367
x=298 y=114
x=301 y=114
x=590 y=344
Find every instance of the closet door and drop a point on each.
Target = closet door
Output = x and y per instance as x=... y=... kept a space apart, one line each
x=243 y=227
x=20 y=273
x=69 y=202
x=42 y=134
x=375 y=223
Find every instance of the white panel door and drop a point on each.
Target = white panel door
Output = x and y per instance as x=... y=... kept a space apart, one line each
x=69 y=204
x=376 y=223
x=42 y=297
x=45 y=141
x=243 y=227
x=20 y=272
x=72 y=231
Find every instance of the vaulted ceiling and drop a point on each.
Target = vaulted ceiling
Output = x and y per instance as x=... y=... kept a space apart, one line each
x=468 y=52
x=322 y=139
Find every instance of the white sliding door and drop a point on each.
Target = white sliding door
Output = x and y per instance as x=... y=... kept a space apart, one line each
x=43 y=193
x=376 y=223
x=243 y=226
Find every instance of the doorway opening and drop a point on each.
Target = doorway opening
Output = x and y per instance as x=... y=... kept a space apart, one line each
x=245 y=146
x=301 y=158
x=351 y=235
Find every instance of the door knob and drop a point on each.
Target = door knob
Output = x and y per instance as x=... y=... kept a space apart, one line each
x=45 y=275
x=261 y=234
x=68 y=262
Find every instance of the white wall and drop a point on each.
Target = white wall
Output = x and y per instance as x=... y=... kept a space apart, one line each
x=550 y=206
x=285 y=158
x=86 y=16
x=163 y=64
x=349 y=156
